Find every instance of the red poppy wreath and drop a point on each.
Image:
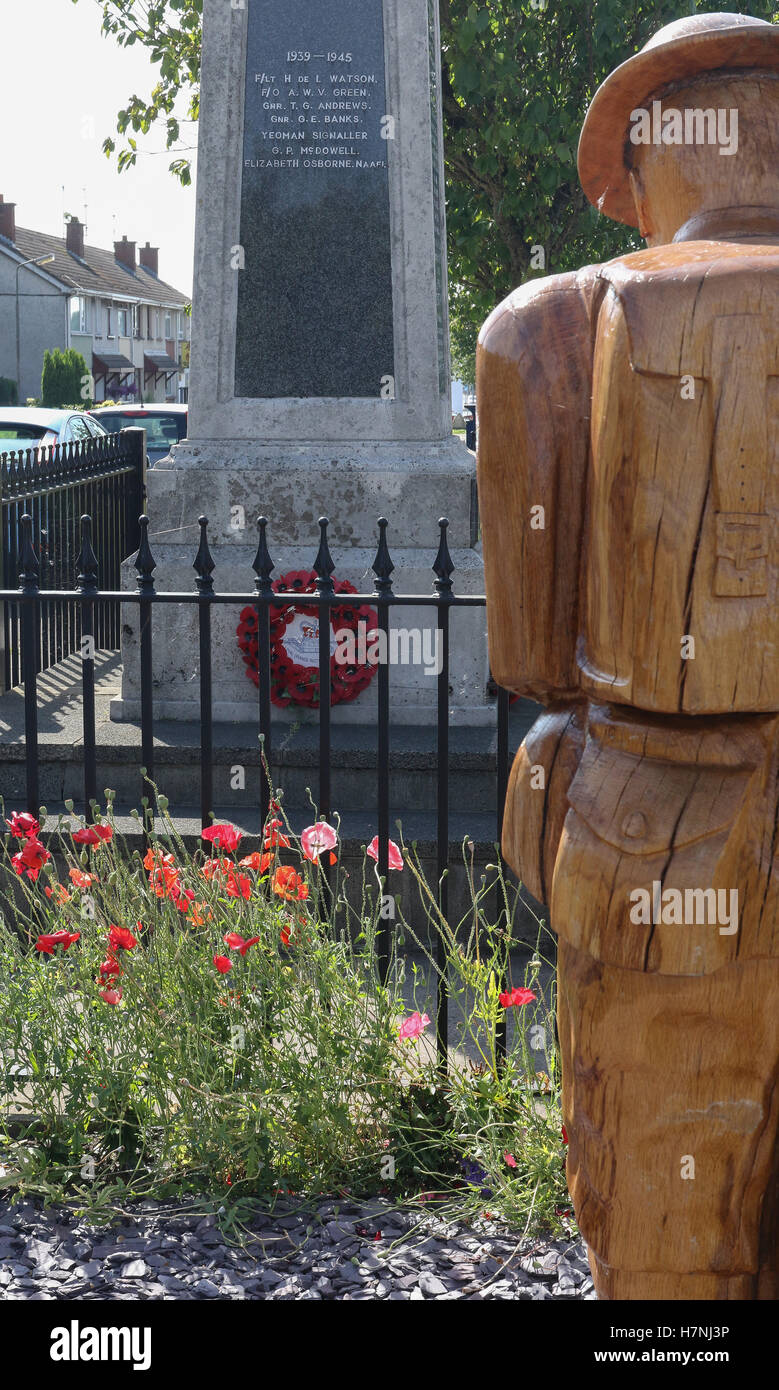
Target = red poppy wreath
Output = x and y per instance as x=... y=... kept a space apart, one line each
x=294 y=644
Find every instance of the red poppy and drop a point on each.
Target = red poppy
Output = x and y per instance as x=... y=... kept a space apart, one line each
x=93 y=835
x=62 y=894
x=273 y=839
x=515 y=998
x=47 y=942
x=395 y=858
x=121 y=939
x=23 y=825
x=237 y=943
x=197 y=914
x=238 y=885
x=223 y=964
x=183 y=898
x=111 y=995
x=564 y=1133
x=212 y=867
x=110 y=967
x=30 y=859
x=82 y=880
x=259 y=863
x=223 y=836
x=286 y=936
x=288 y=884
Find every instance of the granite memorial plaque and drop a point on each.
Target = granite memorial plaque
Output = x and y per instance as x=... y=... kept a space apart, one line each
x=315 y=295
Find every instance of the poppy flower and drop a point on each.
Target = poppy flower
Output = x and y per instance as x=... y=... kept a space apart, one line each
x=23 y=825
x=82 y=880
x=259 y=863
x=223 y=836
x=413 y=1026
x=121 y=939
x=93 y=835
x=183 y=898
x=238 y=885
x=395 y=860
x=286 y=936
x=288 y=884
x=57 y=891
x=510 y=1160
x=318 y=838
x=197 y=914
x=564 y=1133
x=31 y=859
x=515 y=998
x=111 y=995
x=223 y=964
x=47 y=942
x=110 y=967
x=212 y=867
x=238 y=943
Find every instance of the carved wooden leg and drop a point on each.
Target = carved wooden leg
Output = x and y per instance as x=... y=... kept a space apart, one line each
x=671 y=1106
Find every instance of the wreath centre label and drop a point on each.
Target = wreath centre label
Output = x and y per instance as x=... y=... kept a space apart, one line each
x=301 y=640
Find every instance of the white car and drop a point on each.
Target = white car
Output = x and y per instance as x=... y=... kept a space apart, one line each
x=27 y=427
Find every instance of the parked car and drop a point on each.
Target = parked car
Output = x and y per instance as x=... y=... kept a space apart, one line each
x=27 y=427
x=165 y=425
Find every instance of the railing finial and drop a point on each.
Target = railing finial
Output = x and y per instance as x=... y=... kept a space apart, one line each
x=443 y=565
x=323 y=564
x=145 y=563
x=383 y=565
x=29 y=567
x=263 y=565
x=86 y=561
x=203 y=564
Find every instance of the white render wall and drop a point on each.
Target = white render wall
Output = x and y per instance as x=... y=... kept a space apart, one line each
x=44 y=317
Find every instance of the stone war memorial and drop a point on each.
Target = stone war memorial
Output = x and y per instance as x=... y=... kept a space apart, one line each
x=637 y=402
x=320 y=379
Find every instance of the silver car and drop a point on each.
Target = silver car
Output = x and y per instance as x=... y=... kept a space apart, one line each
x=27 y=427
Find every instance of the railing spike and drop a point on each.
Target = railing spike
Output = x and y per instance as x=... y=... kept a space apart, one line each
x=443 y=565
x=323 y=564
x=383 y=565
x=29 y=568
x=87 y=559
x=204 y=563
x=145 y=563
x=263 y=565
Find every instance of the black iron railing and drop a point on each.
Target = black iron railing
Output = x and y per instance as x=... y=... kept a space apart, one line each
x=56 y=486
x=89 y=599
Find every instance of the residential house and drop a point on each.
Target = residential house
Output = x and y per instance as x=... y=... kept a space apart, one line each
x=132 y=328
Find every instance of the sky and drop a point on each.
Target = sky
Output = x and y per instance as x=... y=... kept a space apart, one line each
x=62 y=85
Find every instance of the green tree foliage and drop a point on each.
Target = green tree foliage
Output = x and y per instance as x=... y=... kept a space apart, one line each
x=518 y=76
x=62 y=377
x=8 y=392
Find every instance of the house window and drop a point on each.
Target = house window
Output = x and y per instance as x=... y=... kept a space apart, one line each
x=168 y=324
x=109 y=320
x=136 y=320
x=121 y=315
x=180 y=322
x=79 y=316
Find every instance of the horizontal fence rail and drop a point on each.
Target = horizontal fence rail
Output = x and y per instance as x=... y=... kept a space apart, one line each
x=55 y=486
x=88 y=600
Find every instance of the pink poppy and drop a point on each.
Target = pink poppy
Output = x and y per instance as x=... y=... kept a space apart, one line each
x=395 y=859
x=318 y=838
x=510 y=1160
x=413 y=1026
x=111 y=995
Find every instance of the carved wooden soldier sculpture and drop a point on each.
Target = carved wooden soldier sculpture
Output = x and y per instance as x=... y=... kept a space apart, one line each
x=629 y=487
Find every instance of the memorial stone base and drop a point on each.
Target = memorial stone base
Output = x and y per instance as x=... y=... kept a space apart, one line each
x=231 y=483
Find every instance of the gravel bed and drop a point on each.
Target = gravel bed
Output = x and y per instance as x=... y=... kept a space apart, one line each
x=336 y=1251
